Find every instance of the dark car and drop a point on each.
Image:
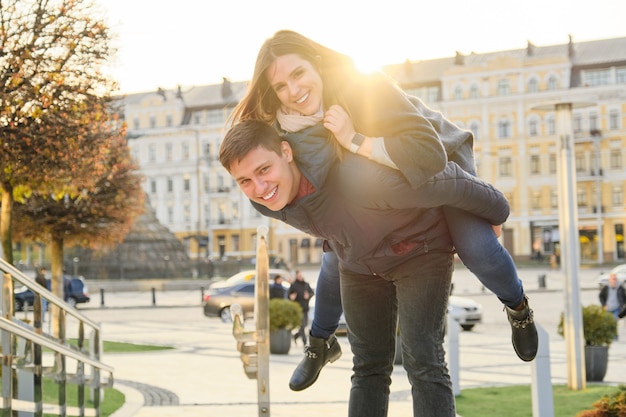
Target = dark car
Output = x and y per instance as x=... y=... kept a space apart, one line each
x=74 y=292
x=217 y=301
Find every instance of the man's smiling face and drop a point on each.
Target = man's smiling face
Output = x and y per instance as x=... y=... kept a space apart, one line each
x=267 y=178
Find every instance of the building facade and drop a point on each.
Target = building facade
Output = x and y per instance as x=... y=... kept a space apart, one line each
x=175 y=137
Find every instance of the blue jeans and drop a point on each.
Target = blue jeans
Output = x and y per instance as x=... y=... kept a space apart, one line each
x=327 y=298
x=414 y=296
x=478 y=248
x=481 y=252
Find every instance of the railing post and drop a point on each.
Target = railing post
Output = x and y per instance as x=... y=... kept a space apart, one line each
x=7 y=347
x=255 y=346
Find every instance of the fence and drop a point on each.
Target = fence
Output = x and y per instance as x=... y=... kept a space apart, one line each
x=23 y=367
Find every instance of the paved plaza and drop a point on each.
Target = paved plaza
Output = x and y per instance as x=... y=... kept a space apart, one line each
x=204 y=376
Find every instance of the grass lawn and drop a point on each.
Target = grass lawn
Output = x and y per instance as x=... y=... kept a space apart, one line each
x=515 y=401
x=113 y=399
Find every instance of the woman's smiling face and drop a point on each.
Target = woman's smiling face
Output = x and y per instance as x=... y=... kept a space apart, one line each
x=296 y=83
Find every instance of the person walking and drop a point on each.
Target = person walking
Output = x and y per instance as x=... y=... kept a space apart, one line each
x=277 y=290
x=301 y=292
x=613 y=297
x=40 y=278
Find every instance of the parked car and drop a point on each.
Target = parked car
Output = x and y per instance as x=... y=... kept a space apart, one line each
x=75 y=292
x=619 y=270
x=217 y=301
x=465 y=311
x=248 y=276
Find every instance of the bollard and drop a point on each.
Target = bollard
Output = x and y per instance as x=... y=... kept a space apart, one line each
x=542 y=280
x=153 y=296
x=102 y=297
x=201 y=294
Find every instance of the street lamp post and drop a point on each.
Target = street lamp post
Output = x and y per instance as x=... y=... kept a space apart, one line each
x=570 y=248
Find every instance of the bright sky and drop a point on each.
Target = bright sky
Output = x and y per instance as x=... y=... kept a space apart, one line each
x=197 y=42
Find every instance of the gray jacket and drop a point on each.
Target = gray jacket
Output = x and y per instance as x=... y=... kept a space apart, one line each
x=369 y=214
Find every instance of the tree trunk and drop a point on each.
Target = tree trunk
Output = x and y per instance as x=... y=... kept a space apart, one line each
x=6 y=234
x=56 y=270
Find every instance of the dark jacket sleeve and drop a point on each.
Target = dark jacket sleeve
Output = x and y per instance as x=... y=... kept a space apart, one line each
x=381 y=187
x=603 y=294
x=378 y=108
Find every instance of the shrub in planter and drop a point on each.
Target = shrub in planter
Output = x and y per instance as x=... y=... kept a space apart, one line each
x=600 y=329
x=285 y=315
x=599 y=326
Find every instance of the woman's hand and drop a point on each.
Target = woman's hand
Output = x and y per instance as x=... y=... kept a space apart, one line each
x=497 y=229
x=337 y=120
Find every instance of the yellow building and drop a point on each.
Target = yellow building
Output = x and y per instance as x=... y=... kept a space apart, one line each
x=175 y=136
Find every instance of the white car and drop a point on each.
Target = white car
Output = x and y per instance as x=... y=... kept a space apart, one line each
x=465 y=311
x=619 y=270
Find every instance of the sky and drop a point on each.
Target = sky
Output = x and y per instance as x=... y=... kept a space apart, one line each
x=197 y=42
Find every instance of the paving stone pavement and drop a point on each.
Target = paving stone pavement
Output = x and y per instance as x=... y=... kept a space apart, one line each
x=203 y=374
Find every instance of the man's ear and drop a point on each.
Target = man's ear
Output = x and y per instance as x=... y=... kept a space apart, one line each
x=286 y=150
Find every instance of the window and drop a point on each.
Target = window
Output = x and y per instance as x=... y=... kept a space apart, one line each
x=553 y=83
x=152 y=152
x=551 y=125
x=186 y=183
x=535 y=164
x=458 y=93
x=578 y=123
x=170 y=185
x=197 y=119
x=215 y=116
x=168 y=120
x=235 y=211
x=503 y=88
x=185 y=147
x=532 y=127
x=533 y=85
x=593 y=122
x=552 y=163
x=581 y=197
x=136 y=123
x=168 y=151
x=504 y=129
x=505 y=166
x=554 y=199
x=187 y=211
x=152 y=122
x=153 y=186
x=473 y=93
x=536 y=200
x=620 y=74
x=580 y=162
x=597 y=77
x=617 y=196
x=616 y=159
x=235 y=242
x=614 y=119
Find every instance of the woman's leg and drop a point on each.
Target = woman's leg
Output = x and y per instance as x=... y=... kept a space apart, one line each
x=328 y=308
x=323 y=346
x=482 y=253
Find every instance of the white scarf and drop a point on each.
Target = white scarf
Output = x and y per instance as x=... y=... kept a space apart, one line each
x=296 y=122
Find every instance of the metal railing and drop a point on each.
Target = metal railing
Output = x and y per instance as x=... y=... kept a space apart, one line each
x=23 y=368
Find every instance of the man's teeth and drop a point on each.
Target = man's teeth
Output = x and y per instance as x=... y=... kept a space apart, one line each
x=270 y=195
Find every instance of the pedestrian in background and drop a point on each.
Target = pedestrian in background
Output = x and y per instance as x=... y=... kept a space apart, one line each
x=613 y=297
x=40 y=278
x=277 y=290
x=301 y=292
